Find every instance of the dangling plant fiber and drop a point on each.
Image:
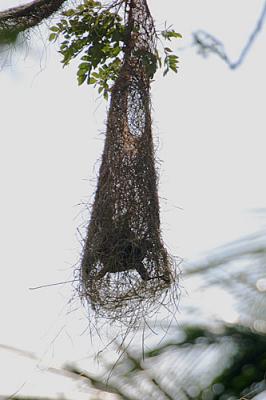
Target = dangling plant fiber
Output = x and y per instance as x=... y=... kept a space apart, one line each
x=125 y=268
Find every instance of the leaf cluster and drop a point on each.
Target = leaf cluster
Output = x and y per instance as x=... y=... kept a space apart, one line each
x=170 y=60
x=96 y=34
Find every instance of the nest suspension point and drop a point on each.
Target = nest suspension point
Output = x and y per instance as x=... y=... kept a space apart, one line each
x=125 y=268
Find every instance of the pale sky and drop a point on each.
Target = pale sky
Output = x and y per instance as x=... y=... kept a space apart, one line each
x=210 y=125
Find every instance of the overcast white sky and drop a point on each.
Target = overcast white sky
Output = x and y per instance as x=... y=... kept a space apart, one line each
x=210 y=123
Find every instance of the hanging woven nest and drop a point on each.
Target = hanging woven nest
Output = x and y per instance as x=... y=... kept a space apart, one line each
x=125 y=268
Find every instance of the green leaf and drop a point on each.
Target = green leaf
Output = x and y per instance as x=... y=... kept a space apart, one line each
x=176 y=35
x=84 y=66
x=69 y=13
x=173 y=57
x=173 y=68
x=53 y=36
x=54 y=29
x=85 y=58
x=116 y=51
x=92 y=81
x=81 y=79
x=168 y=34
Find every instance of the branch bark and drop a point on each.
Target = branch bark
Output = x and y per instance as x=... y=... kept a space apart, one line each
x=18 y=19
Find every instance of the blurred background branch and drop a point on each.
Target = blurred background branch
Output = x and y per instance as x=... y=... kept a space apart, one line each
x=210 y=360
x=208 y=44
x=213 y=360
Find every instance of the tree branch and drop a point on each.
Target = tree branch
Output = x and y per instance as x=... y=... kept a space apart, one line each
x=207 y=43
x=18 y=19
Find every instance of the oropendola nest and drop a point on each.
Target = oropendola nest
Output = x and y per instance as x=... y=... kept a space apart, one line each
x=125 y=268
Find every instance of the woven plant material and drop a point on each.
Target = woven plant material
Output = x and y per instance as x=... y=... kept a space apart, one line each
x=125 y=267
